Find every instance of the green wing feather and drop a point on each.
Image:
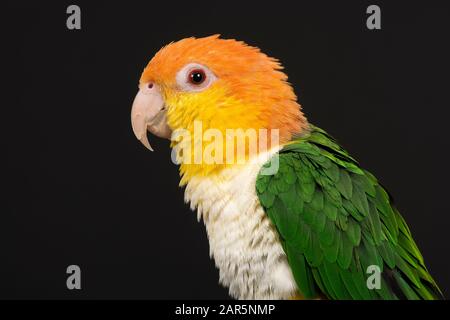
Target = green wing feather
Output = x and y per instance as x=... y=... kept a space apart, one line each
x=335 y=220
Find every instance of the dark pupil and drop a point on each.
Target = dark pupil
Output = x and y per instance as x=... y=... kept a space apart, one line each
x=197 y=77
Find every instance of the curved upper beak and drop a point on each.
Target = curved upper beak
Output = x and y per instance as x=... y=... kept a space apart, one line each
x=149 y=113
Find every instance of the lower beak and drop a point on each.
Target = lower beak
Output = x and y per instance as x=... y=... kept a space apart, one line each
x=149 y=113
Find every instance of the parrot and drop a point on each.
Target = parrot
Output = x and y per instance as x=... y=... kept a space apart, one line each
x=299 y=219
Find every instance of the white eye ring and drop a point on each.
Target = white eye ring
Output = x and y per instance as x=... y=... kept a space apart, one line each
x=184 y=77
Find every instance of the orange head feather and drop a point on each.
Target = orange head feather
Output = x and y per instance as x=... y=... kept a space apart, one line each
x=249 y=91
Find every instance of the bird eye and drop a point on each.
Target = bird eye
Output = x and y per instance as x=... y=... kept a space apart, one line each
x=194 y=77
x=197 y=76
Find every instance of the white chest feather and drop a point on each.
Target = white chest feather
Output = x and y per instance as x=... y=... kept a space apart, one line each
x=242 y=239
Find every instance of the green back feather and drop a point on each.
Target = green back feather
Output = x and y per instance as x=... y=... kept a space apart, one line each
x=335 y=220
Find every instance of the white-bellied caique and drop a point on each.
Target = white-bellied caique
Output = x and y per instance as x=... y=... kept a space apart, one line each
x=318 y=225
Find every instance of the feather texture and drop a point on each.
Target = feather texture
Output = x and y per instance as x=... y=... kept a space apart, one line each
x=335 y=220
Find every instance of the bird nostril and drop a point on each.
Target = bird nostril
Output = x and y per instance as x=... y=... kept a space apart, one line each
x=150 y=85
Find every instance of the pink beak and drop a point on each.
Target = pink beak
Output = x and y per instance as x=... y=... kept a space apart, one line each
x=149 y=113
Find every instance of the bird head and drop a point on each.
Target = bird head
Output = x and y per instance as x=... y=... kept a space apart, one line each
x=218 y=84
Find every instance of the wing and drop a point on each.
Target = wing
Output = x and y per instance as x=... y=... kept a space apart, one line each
x=335 y=221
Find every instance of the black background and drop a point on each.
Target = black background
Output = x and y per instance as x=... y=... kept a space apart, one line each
x=80 y=189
